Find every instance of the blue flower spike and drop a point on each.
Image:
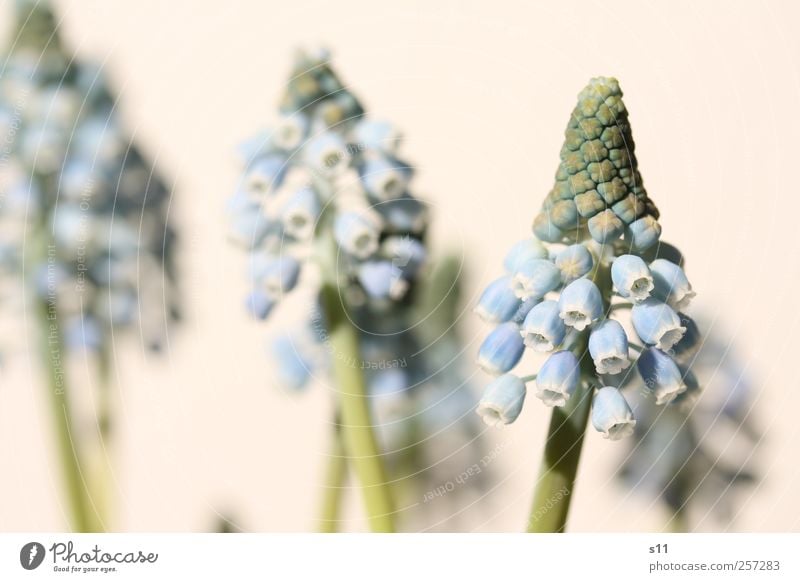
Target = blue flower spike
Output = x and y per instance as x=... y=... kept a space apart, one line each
x=590 y=277
x=326 y=188
x=76 y=181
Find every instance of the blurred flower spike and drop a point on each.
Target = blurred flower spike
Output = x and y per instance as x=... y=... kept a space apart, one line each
x=325 y=189
x=324 y=207
x=92 y=207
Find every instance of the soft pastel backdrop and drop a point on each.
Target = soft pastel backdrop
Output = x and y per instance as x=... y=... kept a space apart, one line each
x=482 y=91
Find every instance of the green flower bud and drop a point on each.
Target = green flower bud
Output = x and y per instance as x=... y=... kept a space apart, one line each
x=598 y=186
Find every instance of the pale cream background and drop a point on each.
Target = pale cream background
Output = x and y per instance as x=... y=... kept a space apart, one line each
x=483 y=91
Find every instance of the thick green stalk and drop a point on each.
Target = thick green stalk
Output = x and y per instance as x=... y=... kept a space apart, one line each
x=68 y=450
x=556 y=483
x=335 y=476
x=555 y=486
x=357 y=430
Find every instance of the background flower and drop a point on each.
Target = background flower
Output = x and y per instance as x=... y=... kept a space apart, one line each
x=325 y=197
x=85 y=223
x=92 y=207
x=698 y=457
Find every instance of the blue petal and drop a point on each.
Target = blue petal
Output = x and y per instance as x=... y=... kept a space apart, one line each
x=523 y=252
x=502 y=400
x=608 y=346
x=580 y=304
x=631 y=277
x=656 y=323
x=660 y=374
x=498 y=303
x=611 y=414
x=558 y=378
x=501 y=350
x=543 y=330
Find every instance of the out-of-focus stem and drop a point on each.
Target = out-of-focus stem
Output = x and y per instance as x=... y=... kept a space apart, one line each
x=335 y=476
x=357 y=430
x=66 y=441
x=101 y=485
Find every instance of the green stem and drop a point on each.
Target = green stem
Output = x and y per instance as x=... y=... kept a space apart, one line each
x=556 y=483
x=101 y=482
x=357 y=431
x=335 y=476
x=555 y=486
x=68 y=453
x=636 y=347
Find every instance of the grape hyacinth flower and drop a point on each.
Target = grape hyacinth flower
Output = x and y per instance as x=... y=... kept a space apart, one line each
x=608 y=346
x=326 y=202
x=594 y=257
x=89 y=214
x=535 y=278
x=632 y=279
x=498 y=303
x=661 y=375
x=670 y=284
x=611 y=414
x=657 y=324
x=558 y=378
x=580 y=304
x=501 y=350
x=543 y=329
x=502 y=400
